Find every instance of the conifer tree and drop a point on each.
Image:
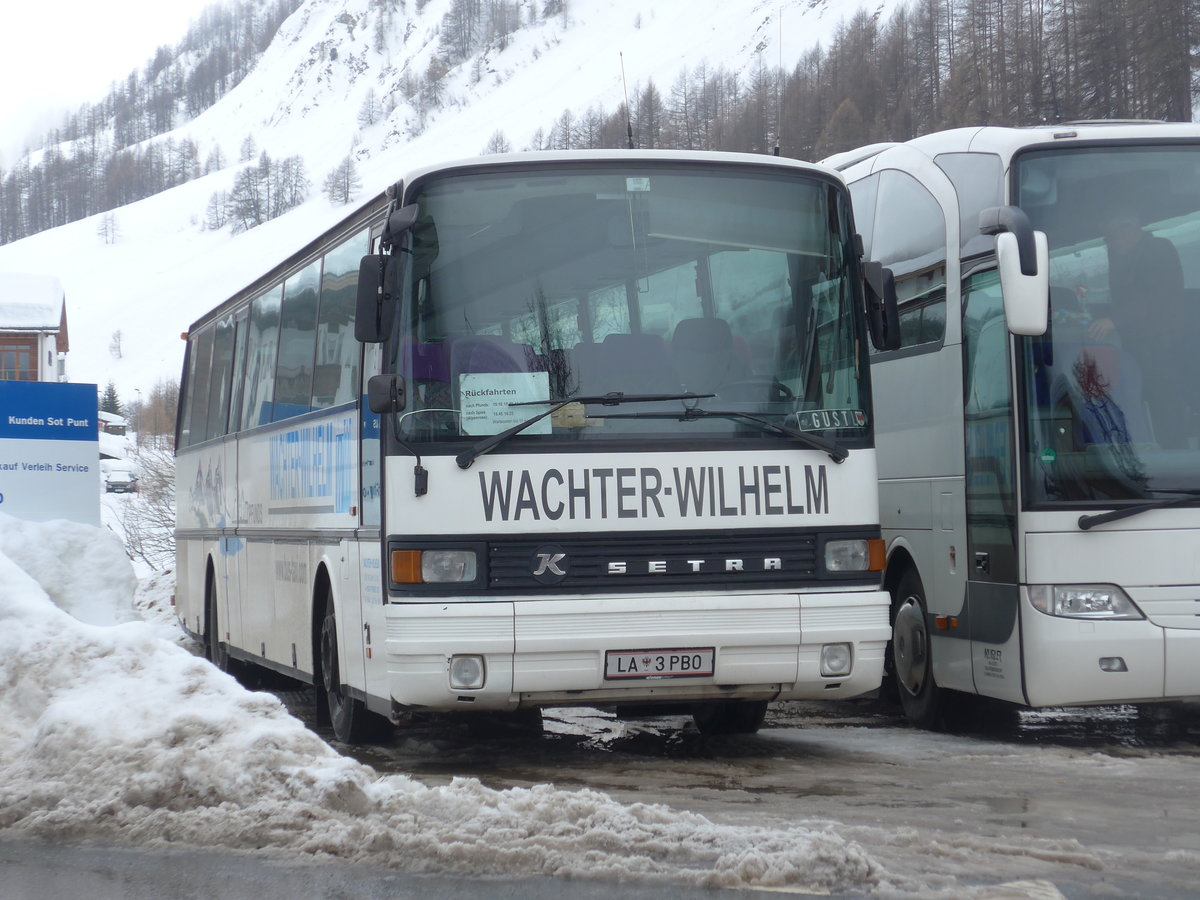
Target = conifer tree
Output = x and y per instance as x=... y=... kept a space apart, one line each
x=109 y=401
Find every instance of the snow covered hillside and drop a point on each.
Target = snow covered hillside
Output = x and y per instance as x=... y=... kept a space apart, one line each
x=153 y=268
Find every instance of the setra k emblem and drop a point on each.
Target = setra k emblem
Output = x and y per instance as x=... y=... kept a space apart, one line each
x=548 y=562
x=549 y=565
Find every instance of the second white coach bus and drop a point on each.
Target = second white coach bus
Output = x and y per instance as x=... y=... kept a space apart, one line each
x=1039 y=426
x=547 y=430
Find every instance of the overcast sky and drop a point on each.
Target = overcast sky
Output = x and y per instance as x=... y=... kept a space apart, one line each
x=62 y=54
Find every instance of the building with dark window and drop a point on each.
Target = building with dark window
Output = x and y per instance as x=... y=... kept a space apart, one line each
x=33 y=328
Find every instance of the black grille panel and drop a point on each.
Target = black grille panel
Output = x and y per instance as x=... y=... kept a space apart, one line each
x=676 y=561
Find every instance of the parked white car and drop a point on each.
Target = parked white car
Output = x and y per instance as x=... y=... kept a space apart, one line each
x=119 y=476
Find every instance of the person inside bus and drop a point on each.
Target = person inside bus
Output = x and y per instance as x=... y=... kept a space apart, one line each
x=1146 y=298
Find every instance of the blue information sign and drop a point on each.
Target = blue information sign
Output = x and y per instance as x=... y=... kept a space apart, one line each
x=49 y=451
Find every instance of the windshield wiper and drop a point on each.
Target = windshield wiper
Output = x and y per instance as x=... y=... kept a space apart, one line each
x=615 y=398
x=1191 y=497
x=836 y=451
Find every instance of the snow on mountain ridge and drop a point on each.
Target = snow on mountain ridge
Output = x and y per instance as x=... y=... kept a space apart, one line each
x=303 y=98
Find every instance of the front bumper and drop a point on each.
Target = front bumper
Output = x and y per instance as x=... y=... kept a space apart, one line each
x=551 y=652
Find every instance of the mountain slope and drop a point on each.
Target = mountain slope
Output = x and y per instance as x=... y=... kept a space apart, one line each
x=304 y=98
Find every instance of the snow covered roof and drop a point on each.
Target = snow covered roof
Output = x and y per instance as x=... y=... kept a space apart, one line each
x=114 y=446
x=30 y=302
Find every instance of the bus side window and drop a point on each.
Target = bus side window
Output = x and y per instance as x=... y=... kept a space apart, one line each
x=863 y=194
x=297 y=337
x=238 y=391
x=221 y=377
x=263 y=342
x=922 y=299
x=195 y=412
x=978 y=179
x=336 y=373
x=910 y=239
x=196 y=426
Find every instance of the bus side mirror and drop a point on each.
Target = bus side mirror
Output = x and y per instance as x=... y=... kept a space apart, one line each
x=1026 y=297
x=1023 y=261
x=385 y=393
x=376 y=307
x=380 y=277
x=883 y=318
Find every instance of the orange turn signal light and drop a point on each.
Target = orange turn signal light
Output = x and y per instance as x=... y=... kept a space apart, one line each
x=876 y=555
x=406 y=567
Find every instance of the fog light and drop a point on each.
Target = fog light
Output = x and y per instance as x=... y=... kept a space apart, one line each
x=836 y=659
x=467 y=673
x=1113 y=664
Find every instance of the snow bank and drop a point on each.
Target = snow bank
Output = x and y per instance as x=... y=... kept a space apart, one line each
x=80 y=569
x=109 y=731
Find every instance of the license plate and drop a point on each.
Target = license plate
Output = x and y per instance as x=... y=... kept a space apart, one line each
x=687 y=663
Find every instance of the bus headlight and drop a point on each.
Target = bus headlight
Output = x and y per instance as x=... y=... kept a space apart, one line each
x=433 y=566
x=860 y=555
x=1083 y=601
x=443 y=566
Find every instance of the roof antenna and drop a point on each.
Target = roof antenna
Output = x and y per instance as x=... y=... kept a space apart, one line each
x=628 y=114
x=779 y=88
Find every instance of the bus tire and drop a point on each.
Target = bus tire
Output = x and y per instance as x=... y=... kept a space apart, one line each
x=910 y=655
x=214 y=650
x=349 y=718
x=729 y=716
x=212 y=647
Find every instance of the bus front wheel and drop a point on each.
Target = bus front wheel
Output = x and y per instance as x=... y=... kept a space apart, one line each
x=214 y=649
x=912 y=656
x=349 y=718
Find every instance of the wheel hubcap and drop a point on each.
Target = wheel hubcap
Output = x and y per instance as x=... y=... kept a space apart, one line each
x=329 y=660
x=910 y=646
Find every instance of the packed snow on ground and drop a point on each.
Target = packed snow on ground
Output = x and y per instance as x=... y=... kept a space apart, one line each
x=112 y=731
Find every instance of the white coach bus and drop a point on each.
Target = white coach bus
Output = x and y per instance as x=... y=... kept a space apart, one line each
x=1039 y=425
x=538 y=430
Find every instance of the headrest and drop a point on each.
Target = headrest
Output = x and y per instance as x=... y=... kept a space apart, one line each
x=703 y=336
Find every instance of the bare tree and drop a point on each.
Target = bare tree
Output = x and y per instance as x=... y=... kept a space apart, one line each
x=154 y=417
x=107 y=229
x=148 y=519
x=248 y=149
x=215 y=161
x=216 y=215
x=497 y=143
x=369 y=112
x=343 y=183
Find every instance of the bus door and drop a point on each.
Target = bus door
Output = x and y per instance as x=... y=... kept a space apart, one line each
x=233 y=545
x=991 y=496
x=372 y=584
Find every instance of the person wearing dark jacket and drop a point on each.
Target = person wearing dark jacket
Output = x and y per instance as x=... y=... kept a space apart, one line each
x=1146 y=306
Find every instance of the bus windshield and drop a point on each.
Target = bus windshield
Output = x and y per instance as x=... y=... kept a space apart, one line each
x=528 y=286
x=1112 y=391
